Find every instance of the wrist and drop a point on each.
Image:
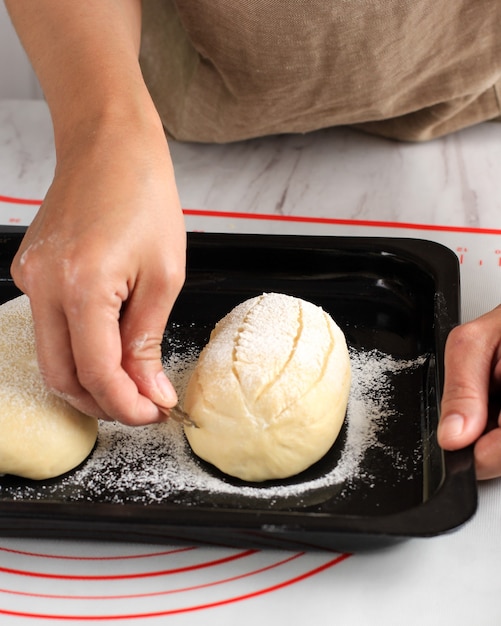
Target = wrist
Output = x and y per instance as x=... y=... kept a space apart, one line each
x=109 y=128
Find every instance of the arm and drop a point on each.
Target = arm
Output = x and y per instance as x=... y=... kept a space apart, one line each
x=472 y=373
x=103 y=260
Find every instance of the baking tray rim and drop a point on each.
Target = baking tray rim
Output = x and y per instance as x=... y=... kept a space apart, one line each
x=458 y=481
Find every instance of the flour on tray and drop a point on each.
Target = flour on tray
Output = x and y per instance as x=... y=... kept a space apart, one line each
x=151 y=464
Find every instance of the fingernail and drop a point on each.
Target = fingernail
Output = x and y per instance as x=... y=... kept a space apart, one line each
x=167 y=391
x=452 y=426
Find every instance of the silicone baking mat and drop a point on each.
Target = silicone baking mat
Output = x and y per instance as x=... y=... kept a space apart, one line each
x=51 y=581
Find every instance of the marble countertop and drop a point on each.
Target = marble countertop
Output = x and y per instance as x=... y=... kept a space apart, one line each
x=336 y=173
x=335 y=182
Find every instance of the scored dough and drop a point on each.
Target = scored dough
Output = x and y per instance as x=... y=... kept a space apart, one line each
x=41 y=435
x=270 y=389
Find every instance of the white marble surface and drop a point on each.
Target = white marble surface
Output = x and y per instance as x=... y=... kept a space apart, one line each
x=341 y=173
x=336 y=173
x=358 y=185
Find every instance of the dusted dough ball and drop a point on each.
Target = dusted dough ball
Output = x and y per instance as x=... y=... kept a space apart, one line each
x=41 y=435
x=270 y=389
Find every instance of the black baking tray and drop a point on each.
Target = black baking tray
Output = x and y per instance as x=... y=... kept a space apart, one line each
x=399 y=297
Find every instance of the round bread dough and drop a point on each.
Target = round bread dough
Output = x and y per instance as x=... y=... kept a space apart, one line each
x=270 y=389
x=41 y=435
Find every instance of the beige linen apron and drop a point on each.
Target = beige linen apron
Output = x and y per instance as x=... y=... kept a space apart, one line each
x=225 y=70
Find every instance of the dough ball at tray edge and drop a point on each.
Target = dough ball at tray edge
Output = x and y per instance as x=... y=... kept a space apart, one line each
x=41 y=435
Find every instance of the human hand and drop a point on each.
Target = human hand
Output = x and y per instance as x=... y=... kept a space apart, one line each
x=102 y=264
x=472 y=376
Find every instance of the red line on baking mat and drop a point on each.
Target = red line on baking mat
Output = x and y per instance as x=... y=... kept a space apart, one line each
x=188 y=609
x=166 y=572
x=166 y=592
x=12 y=200
x=97 y=558
x=273 y=217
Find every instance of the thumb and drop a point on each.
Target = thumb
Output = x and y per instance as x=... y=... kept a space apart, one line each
x=142 y=328
x=464 y=404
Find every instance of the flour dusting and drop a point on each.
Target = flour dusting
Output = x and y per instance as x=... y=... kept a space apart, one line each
x=153 y=464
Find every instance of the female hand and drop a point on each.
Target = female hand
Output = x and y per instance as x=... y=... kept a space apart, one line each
x=102 y=264
x=472 y=378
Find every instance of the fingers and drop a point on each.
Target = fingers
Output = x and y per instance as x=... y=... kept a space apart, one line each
x=104 y=363
x=488 y=455
x=468 y=362
x=96 y=344
x=472 y=373
x=55 y=360
x=142 y=329
x=79 y=353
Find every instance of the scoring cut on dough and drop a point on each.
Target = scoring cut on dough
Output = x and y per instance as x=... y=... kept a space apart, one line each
x=270 y=389
x=41 y=435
